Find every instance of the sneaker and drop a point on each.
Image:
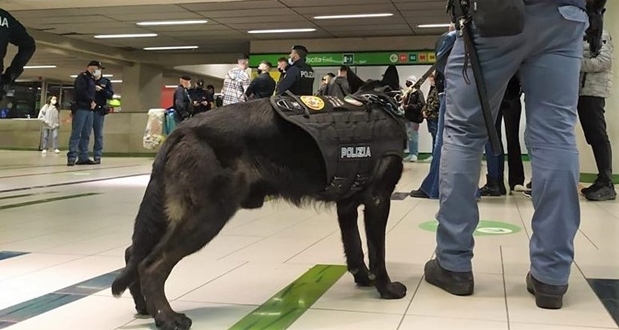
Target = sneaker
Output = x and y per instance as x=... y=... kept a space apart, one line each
x=519 y=188
x=56 y=151
x=70 y=162
x=43 y=152
x=596 y=185
x=456 y=283
x=546 y=296
x=97 y=161
x=603 y=193
x=413 y=158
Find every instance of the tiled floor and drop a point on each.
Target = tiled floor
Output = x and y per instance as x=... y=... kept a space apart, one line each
x=74 y=223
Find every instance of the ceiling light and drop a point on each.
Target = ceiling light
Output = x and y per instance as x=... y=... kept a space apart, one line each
x=430 y=26
x=186 y=22
x=171 y=48
x=116 y=81
x=281 y=31
x=354 y=16
x=171 y=86
x=40 y=67
x=105 y=75
x=135 y=35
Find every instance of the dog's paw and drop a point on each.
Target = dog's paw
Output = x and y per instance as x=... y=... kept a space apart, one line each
x=394 y=290
x=174 y=321
x=363 y=280
x=141 y=311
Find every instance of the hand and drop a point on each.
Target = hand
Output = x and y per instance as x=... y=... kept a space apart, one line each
x=204 y=102
x=98 y=88
x=195 y=103
x=93 y=105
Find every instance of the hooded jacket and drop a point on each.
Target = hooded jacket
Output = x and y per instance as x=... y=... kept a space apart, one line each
x=596 y=73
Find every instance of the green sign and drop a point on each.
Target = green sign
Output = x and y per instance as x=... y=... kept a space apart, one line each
x=484 y=228
x=416 y=57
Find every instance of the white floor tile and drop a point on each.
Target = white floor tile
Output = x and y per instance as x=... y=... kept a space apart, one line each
x=336 y=320
x=414 y=322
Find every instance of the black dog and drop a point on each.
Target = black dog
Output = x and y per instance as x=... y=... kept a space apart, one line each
x=230 y=158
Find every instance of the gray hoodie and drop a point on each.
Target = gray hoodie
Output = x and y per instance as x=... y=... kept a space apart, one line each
x=49 y=116
x=596 y=74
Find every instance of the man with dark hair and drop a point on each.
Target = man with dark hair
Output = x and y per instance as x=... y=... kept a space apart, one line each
x=263 y=85
x=282 y=67
x=339 y=86
x=13 y=32
x=299 y=78
x=199 y=97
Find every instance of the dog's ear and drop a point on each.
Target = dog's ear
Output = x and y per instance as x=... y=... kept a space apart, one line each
x=391 y=77
x=354 y=82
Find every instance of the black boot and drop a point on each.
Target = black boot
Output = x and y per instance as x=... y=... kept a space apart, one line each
x=546 y=296
x=601 y=193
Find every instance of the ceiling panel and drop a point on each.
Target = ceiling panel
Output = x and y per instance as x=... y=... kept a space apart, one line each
x=241 y=5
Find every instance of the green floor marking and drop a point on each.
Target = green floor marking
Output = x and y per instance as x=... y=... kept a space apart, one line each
x=47 y=200
x=285 y=307
x=485 y=228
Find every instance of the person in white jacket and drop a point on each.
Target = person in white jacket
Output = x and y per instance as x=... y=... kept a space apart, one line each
x=596 y=84
x=51 y=122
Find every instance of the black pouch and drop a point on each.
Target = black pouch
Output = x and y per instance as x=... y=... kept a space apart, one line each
x=497 y=18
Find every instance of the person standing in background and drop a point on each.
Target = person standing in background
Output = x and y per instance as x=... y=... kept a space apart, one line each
x=82 y=116
x=263 y=85
x=299 y=78
x=183 y=106
x=105 y=92
x=51 y=121
x=430 y=113
x=596 y=82
x=236 y=82
x=414 y=104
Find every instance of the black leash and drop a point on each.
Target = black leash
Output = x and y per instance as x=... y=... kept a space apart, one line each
x=464 y=22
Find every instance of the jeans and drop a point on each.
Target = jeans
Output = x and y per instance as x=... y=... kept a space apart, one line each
x=548 y=55
x=97 y=127
x=81 y=127
x=47 y=132
x=433 y=128
x=496 y=164
x=412 y=130
x=430 y=184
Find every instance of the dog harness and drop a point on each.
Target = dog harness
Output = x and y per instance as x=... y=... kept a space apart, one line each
x=353 y=134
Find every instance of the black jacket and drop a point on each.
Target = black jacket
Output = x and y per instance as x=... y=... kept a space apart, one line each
x=102 y=96
x=182 y=103
x=12 y=32
x=299 y=79
x=200 y=95
x=85 y=90
x=261 y=87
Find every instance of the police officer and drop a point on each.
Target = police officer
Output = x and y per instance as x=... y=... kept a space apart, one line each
x=199 y=97
x=82 y=116
x=548 y=55
x=104 y=93
x=183 y=105
x=299 y=78
x=11 y=31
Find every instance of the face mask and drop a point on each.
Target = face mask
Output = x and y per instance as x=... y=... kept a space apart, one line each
x=290 y=61
x=409 y=84
x=259 y=71
x=97 y=73
x=54 y=102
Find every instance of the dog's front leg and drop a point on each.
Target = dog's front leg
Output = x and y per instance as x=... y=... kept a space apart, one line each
x=347 y=216
x=376 y=214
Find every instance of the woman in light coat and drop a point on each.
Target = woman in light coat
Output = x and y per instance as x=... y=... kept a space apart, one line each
x=51 y=121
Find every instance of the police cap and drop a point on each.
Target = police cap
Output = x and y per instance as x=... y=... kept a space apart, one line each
x=185 y=77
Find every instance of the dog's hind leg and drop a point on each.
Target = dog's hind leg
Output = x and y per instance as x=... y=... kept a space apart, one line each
x=376 y=213
x=196 y=229
x=136 y=289
x=347 y=216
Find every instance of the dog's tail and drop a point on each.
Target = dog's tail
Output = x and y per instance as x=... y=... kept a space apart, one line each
x=150 y=223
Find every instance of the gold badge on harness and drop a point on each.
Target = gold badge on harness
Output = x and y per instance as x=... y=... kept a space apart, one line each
x=313 y=102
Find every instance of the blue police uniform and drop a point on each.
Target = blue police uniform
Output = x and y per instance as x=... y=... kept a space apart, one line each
x=548 y=55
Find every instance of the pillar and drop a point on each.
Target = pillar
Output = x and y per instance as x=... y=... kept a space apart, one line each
x=588 y=167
